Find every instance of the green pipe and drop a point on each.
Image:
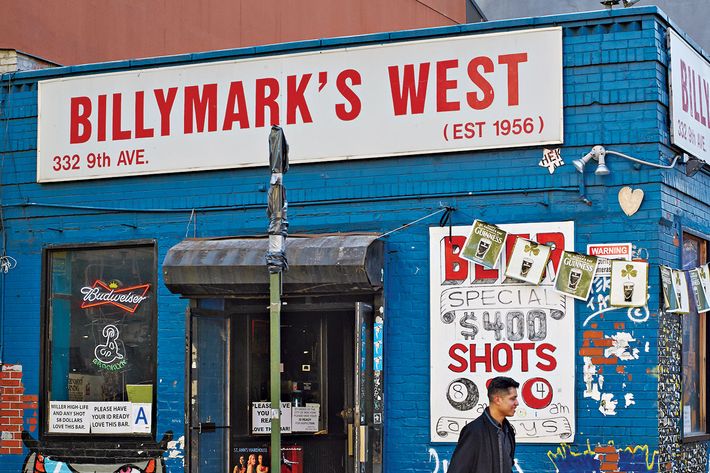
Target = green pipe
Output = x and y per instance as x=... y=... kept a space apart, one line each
x=275 y=366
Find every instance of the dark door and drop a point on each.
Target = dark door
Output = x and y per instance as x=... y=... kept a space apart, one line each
x=326 y=384
x=209 y=359
x=316 y=375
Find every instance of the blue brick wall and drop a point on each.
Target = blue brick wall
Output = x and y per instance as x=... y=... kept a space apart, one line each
x=615 y=94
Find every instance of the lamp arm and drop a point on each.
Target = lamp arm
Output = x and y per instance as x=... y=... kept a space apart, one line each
x=670 y=166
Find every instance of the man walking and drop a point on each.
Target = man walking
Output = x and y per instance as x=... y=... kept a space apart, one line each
x=487 y=445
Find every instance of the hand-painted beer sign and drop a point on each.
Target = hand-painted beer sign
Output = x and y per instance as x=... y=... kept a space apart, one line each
x=432 y=96
x=484 y=324
x=127 y=298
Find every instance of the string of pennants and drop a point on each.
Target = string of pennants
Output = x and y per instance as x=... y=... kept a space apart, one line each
x=576 y=271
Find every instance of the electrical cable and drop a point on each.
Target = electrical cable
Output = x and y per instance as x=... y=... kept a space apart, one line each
x=445 y=209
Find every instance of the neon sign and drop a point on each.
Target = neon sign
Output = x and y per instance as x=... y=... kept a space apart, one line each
x=127 y=298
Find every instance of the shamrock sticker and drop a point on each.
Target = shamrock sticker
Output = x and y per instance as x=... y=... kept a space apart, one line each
x=629 y=272
x=532 y=249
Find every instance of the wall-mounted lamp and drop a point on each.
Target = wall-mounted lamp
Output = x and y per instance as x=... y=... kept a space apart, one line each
x=598 y=153
x=693 y=165
x=612 y=3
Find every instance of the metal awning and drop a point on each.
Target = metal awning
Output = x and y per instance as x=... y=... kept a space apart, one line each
x=318 y=264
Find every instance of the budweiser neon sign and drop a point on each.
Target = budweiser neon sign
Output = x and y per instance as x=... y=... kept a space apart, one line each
x=127 y=298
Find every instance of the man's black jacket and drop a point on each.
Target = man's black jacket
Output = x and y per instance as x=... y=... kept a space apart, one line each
x=477 y=449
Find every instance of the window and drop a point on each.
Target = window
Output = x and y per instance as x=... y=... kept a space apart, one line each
x=99 y=337
x=694 y=368
x=301 y=374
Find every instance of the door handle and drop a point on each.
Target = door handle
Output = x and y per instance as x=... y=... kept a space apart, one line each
x=208 y=427
x=363 y=443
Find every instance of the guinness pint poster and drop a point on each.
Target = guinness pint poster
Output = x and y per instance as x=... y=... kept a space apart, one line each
x=484 y=244
x=629 y=283
x=670 y=297
x=680 y=286
x=575 y=274
x=701 y=296
x=528 y=261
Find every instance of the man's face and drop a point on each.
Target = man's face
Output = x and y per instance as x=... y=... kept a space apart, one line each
x=507 y=402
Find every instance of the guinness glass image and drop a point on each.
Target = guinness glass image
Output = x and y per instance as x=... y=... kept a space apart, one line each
x=482 y=247
x=525 y=266
x=574 y=276
x=628 y=291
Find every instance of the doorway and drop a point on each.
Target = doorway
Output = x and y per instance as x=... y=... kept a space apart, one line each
x=326 y=385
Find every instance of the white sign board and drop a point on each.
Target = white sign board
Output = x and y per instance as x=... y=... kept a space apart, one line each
x=484 y=325
x=689 y=79
x=69 y=417
x=99 y=417
x=471 y=92
x=261 y=417
x=305 y=419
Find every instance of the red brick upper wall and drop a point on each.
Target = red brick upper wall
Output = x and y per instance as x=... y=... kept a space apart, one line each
x=73 y=32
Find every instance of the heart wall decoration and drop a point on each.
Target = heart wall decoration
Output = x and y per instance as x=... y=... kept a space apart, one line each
x=630 y=200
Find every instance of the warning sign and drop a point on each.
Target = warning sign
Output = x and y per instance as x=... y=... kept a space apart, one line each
x=607 y=252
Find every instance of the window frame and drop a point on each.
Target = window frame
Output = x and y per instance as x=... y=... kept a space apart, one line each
x=703 y=337
x=45 y=331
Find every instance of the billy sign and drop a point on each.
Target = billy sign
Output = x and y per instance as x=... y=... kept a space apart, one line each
x=441 y=95
x=485 y=325
x=689 y=78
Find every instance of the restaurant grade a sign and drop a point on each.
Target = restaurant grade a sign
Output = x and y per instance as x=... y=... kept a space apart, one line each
x=485 y=325
x=457 y=93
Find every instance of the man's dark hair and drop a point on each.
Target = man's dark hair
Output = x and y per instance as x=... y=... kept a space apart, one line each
x=500 y=385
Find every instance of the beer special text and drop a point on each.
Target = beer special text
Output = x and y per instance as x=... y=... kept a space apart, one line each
x=501 y=325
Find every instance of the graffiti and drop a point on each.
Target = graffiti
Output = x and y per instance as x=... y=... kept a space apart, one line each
x=18 y=409
x=630 y=459
x=147 y=457
x=440 y=466
x=40 y=463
